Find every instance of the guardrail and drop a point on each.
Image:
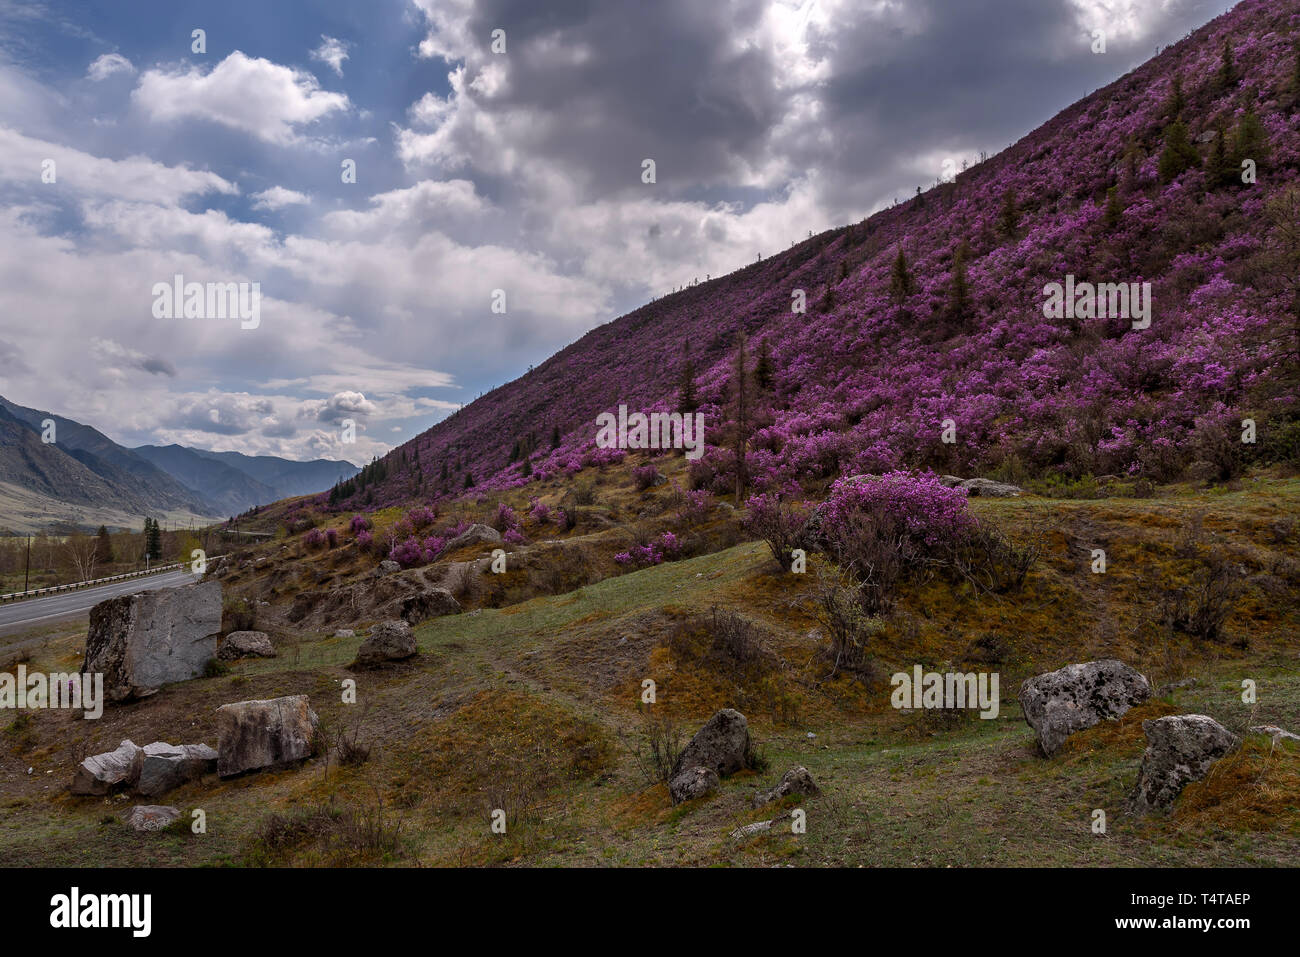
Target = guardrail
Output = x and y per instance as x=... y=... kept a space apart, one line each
x=51 y=589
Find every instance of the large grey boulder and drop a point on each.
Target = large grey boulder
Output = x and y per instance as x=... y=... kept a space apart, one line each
x=721 y=746
x=102 y=773
x=263 y=734
x=167 y=766
x=387 y=567
x=246 y=644
x=988 y=488
x=795 y=781
x=150 y=817
x=475 y=535
x=141 y=642
x=1059 y=703
x=433 y=603
x=388 y=641
x=1180 y=749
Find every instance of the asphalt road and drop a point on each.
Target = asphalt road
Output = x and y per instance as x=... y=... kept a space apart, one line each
x=34 y=612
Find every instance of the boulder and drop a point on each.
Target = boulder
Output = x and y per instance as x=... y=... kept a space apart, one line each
x=263 y=734
x=345 y=633
x=388 y=641
x=246 y=644
x=1180 y=749
x=1059 y=703
x=167 y=766
x=795 y=781
x=387 y=567
x=150 y=817
x=693 y=783
x=722 y=745
x=989 y=488
x=475 y=535
x=102 y=773
x=433 y=603
x=141 y=642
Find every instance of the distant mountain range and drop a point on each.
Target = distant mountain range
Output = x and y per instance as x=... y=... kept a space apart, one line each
x=84 y=478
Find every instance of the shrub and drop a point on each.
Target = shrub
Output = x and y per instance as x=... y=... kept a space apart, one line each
x=421 y=517
x=365 y=540
x=779 y=523
x=539 y=512
x=504 y=519
x=644 y=476
x=359 y=524
x=412 y=551
x=332 y=537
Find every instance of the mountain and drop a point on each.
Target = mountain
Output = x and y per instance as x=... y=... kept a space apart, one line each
x=930 y=320
x=233 y=482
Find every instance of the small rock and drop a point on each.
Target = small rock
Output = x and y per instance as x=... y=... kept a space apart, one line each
x=167 y=766
x=1181 y=748
x=150 y=817
x=989 y=489
x=475 y=535
x=749 y=830
x=433 y=603
x=693 y=783
x=387 y=567
x=795 y=781
x=1274 y=732
x=246 y=644
x=345 y=633
x=388 y=641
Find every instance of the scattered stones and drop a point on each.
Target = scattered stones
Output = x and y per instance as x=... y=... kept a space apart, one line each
x=1181 y=748
x=433 y=603
x=102 y=773
x=262 y=734
x=795 y=781
x=749 y=830
x=246 y=644
x=475 y=535
x=1274 y=732
x=345 y=633
x=693 y=783
x=1059 y=703
x=388 y=641
x=150 y=817
x=721 y=746
x=1174 y=686
x=989 y=489
x=143 y=641
x=387 y=567
x=166 y=766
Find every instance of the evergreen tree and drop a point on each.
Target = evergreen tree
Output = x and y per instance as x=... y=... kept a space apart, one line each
x=1009 y=215
x=740 y=376
x=1250 y=141
x=763 y=370
x=1227 y=76
x=1114 y=212
x=555 y=437
x=1179 y=154
x=1221 y=171
x=103 y=546
x=687 y=401
x=469 y=480
x=959 y=290
x=1175 y=105
x=900 y=279
x=1132 y=165
x=152 y=539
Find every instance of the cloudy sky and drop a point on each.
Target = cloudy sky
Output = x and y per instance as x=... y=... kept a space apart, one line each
x=475 y=170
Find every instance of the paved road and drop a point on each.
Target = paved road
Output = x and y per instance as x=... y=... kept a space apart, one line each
x=34 y=612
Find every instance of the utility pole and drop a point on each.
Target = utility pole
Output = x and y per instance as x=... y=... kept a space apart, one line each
x=27 y=570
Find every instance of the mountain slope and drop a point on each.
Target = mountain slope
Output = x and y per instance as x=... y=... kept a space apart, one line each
x=871 y=376
x=227 y=490
x=287 y=478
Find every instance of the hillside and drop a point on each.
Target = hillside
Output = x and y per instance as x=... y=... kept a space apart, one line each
x=865 y=379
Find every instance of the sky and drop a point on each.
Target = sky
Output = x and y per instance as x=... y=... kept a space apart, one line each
x=499 y=207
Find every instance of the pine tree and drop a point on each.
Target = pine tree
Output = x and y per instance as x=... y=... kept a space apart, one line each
x=103 y=546
x=469 y=480
x=1009 y=215
x=959 y=290
x=1179 y=154
x=1114 y=212
x=1221 y=172
x=1250 y=141
x=555 y=437
x=763 y=370
x=900 y=280
x=1132 y=164
x=1227 y=76
x=740 y=376
x=1175 y=105
x=686 y=399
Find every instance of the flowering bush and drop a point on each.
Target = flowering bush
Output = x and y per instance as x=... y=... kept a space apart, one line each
x=514 y=536
x=421 y=517
x=540 y=512
x=911 y=506
x=332 y=537
x=643 y=476
x=314 y=539
x=359 y=524
x=666 y=547
x=779 y=523
x=365 y=540
x=505 y=519
x=413 y=551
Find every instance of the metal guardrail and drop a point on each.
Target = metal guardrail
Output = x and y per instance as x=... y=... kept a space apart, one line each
x=73 y=586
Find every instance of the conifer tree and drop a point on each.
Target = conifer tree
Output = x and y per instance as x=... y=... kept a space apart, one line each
x=1114 y=212
x=1009 y=215
x=686 y=399
x=763 y=370
x=1179 y=154
x=959 y=290
x=900 y=279
x=1227 y=75
x=740 y=376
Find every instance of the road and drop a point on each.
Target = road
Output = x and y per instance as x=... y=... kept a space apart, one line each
x=34 y=612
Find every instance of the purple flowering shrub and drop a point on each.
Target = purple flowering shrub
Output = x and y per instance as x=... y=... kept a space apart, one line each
x=665 y=548
x=314 y=539
x=780 y=523
x=365 y=540
x=539 y=511
x=413 y=551
x=359 y=524
x=643 y=476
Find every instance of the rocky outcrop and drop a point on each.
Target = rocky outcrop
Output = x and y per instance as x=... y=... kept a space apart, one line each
x=387 y=567
x=150 y=817
x=1059 y=703
x=104 y=773
x=141 y=642
x=795 y=781
x=388 y=641
x=1181 y=748
x=246 y=644
x=167 y=766
x=433 y=603
x=982 y=487
x=475 y=535
x=252 y=735
x=721 y=746
x=692 y=783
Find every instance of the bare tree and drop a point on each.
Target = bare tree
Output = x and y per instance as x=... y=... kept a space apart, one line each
x=82 y=551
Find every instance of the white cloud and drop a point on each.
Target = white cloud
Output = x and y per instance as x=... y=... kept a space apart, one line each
x=268 y=100
x=277 y=197
x=332 y=52
x=102 y=67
